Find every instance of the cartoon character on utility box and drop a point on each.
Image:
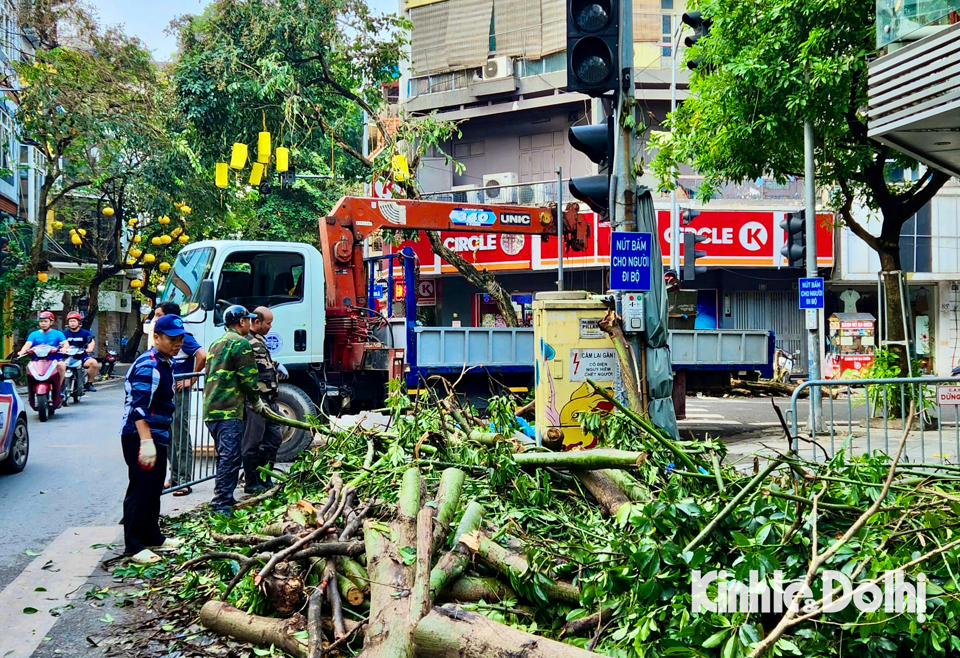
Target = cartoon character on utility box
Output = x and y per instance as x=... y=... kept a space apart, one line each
x=567 y=419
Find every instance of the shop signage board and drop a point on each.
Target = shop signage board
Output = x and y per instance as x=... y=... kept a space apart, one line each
x=427 y=293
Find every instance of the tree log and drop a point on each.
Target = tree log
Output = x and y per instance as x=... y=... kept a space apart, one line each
x=448 y=501
x=588 y=624
x=596 y=459
x=390 y=632
x=633 y=489
x=355 y=572
x=468 y=589
x=511 y=564
x=604 y=489
x=262 y=632
x=451 y=564
x=449 y=632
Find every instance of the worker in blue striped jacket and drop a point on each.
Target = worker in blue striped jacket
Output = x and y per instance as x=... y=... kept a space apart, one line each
x=148 y=413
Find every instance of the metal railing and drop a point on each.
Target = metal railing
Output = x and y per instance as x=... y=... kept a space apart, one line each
x=192 y=456
x=862 y=413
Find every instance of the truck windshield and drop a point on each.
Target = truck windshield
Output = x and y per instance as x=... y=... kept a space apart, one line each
x=183 y=286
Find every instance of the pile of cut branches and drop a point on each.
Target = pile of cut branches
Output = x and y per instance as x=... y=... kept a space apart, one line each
x=441 y=534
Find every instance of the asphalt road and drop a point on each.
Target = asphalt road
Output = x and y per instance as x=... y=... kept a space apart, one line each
x=75 y=476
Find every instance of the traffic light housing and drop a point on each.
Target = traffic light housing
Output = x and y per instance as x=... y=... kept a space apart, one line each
x=593 y=54
x=688 y=216
x=701 y=29
x=4 y=254
x=596 y=141
x=691 y=254
x=795 y=245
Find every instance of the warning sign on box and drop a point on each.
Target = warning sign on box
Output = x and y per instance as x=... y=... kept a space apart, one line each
x=948 y=396
x=598 y=365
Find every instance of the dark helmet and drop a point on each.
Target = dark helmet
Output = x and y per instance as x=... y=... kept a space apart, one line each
x=234 y=314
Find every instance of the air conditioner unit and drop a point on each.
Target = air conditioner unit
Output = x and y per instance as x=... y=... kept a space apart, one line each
x=466 y=194
x=533 y=195
x=498 y=68
x=500 y=188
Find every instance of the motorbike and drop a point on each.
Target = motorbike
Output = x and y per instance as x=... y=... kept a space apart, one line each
x=46 y=391
x=107 y=363
x=76 y=373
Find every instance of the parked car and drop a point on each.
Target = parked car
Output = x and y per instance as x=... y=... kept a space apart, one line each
x=14 y=436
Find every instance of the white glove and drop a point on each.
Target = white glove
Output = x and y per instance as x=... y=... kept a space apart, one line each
x=148 y=454
x=260 y=407
x=282 y=370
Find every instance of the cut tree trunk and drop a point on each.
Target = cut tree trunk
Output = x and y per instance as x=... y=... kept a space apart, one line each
x=613 y=327
x=450 y=632
x=469 y=589
x=596 y=459
x=604 y=489
x=452 y=564
x=262 y=632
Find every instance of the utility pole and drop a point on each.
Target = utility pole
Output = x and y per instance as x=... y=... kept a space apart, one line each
x=560 y=228
x=813 y=316
x=674 y=214
x=623 y=215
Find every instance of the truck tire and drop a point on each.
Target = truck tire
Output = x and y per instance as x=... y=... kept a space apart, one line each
x=294 y=403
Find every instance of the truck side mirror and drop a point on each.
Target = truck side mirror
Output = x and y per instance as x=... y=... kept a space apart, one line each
x=207 y=298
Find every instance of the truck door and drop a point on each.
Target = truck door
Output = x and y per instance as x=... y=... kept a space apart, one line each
x=275 y=279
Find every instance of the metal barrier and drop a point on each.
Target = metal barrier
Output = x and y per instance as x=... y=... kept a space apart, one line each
x=192 y=456
x=864 y=411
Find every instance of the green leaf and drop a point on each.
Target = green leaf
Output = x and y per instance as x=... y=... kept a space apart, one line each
x=107 y=618
x=302 y=635
x=167 y=627
x=30 y=611
x=715 y=639
x=32 y=553
x=407 y=554
x=787 y=645
x=729 y=649
x=40 y=589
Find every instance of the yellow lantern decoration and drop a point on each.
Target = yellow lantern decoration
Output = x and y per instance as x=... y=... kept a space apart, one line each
x=136 y=283
x=57 y=225
x=177 y=204
x=137 y=238
x=73 y=231
x=82 y=232
x=165 y=239
x=164 y=220
x=186 y=210
x=263 y=147
x=135 y=253
x=401 y=171
x=149 y=258
x=238 y=160
x=283 y=159
x=75 y=239
x=108 y=211
x=164 y=266
x=42 y=277
x=132 y=222
x=256 y=173
x=222 y=174
x=176 y=232
x=131 y=261
x=184 y=239
x=155 y=241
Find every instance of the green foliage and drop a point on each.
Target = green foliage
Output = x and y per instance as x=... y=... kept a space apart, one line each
x=895 y=399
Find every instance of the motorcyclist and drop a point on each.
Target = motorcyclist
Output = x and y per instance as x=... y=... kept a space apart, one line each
x=79 y=337
x=47 y=335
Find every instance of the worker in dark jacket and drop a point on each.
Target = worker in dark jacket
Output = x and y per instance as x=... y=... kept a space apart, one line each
x=148 y=412
x=262 y=437
x=230 y=384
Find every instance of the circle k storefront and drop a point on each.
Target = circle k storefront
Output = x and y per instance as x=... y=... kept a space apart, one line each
x=747 y=284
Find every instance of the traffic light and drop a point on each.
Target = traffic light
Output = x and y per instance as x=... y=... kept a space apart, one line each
x=688 y=216
x=596 y=141
x=795 y=245
x=690 y=255
x=4 y=254
x=593 y=55
x=701 y=28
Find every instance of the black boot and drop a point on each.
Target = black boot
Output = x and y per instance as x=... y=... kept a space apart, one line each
x=268 y=463
x=251 y=477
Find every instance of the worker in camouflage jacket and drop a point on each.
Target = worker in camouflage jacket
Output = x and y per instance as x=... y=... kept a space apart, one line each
x=230 y=385
x=262 y=437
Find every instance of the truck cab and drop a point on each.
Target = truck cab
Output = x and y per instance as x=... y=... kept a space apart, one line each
x=286 y=277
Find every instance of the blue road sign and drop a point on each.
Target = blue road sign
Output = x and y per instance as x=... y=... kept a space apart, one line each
x=811 y=293
x=630 y=258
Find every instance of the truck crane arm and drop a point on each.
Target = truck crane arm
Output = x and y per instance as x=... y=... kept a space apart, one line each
x=353 y=219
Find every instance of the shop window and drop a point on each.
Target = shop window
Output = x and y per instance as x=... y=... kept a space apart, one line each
x=915 y=243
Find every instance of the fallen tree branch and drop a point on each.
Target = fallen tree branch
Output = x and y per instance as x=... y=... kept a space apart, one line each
x=263 y=632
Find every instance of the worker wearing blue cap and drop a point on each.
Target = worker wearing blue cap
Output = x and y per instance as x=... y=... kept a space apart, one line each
x=148 y=413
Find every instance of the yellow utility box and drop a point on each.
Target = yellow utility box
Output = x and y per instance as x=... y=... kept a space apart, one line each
x=570 y=349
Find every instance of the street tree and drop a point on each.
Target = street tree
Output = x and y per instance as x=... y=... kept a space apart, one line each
x=311 y=70
x=76 y=105
x=763 y=69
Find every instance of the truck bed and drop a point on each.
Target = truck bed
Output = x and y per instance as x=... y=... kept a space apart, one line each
x=496 y=349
